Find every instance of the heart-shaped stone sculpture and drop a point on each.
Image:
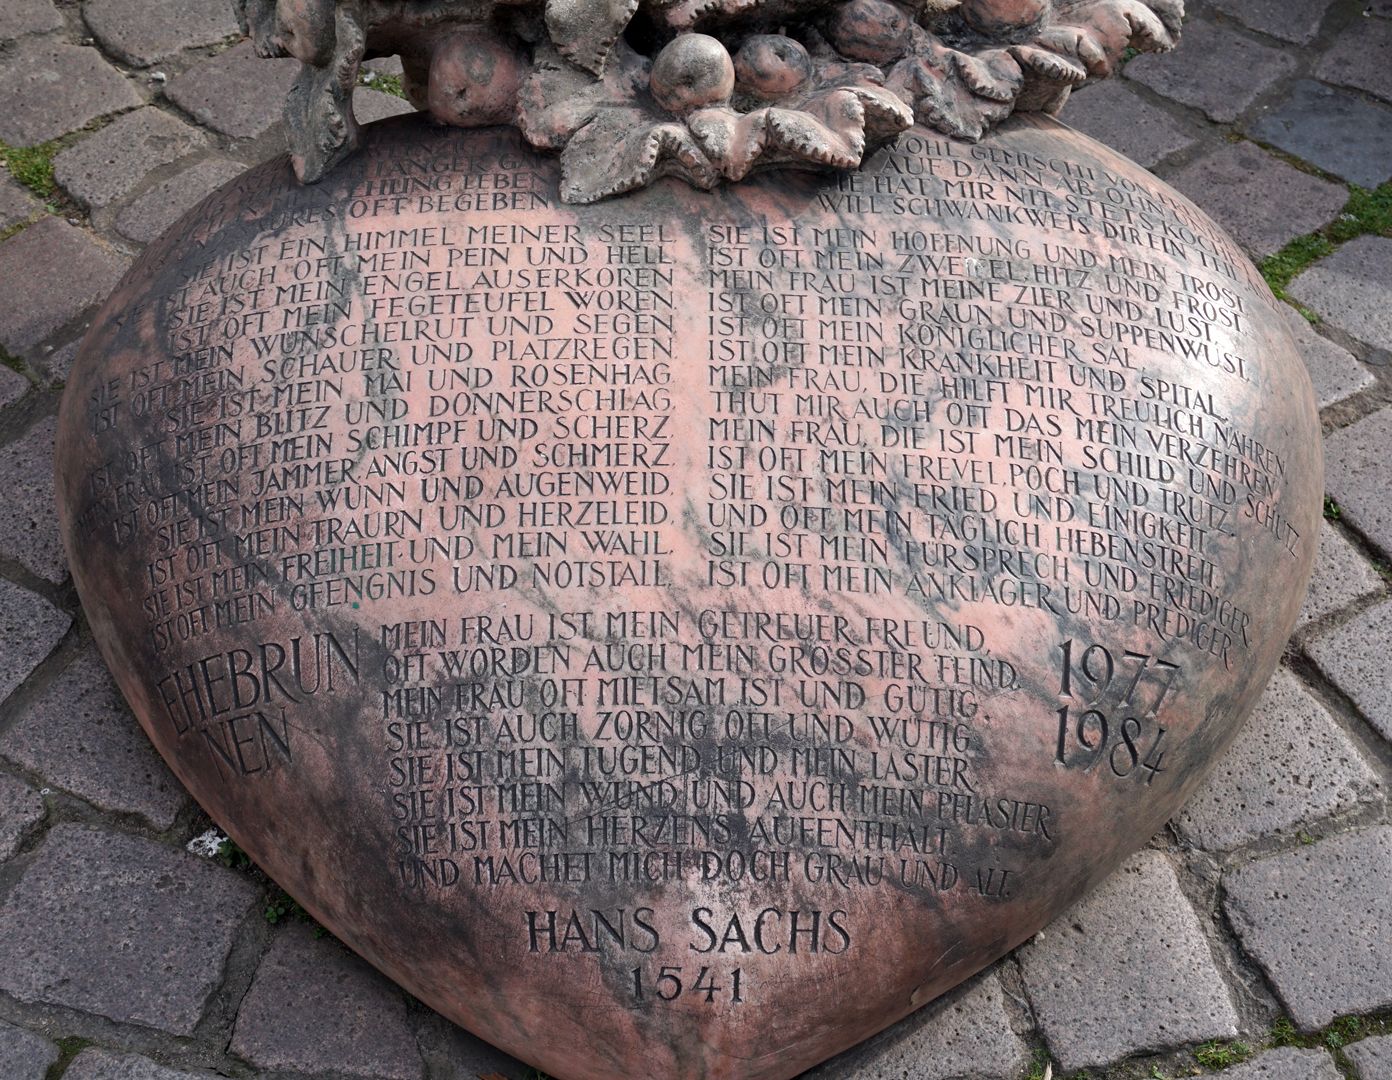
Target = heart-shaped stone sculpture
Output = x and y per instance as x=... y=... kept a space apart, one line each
x=683 y=635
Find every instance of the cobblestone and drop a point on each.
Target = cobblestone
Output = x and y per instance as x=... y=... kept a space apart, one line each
x=50 y=88
x=1214 y=69
x=21 y=811
x=236 y=92
x=1289 y=20
x=1341 y=576
x=42 y=292
x=96 y=1064
x=316 y=1007
x=30 y=627
x=1116 y=115
x=1334 y=129
x=13 y=386
x=141 y=32
x=1319 y=921
x=109 y=164
x=1263 y=202
x=1290 y=766
x=1333 y=369
x=966 y=1034
x=16 y=204
x=1357 y=476
x=165 y=203
x=1354 y=657
x=24 y=1055
x=1353 y=289
x=1101 y=992
x=370 y=105
x=81 y=736
x=20 y=17
x=1372 y=1058
x=1361 y=57
x=1288 y=1063
x=120 y=926
x=28 y=526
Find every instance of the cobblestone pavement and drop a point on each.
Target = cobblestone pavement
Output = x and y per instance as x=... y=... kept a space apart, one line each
x=1253 y=936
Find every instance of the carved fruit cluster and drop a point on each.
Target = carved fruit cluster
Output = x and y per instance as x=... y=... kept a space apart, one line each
x=707 y=90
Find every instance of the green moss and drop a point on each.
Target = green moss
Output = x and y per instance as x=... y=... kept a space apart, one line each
x=1332 y=512
x=1216 y=1055
x=388 y=84
x=1343 y=1031
x=1283 y=1033
x=68 y=1048
x=1039 y=1065
x=32 y=166
x=1367 y=213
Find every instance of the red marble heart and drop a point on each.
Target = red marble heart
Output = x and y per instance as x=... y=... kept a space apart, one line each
x=681 y=636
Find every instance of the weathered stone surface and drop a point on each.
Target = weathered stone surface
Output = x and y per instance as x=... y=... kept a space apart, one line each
x=1334 y=370
x=370 y=105
x=1319 y=921
x=140 y=32
x=1263 y=202
x=28 y=526
x=109 y=164
x=1114 y=114
x=1332 y=128
x=1292 y=765
x=1341 y=576
x=1353 y=289
x=155 y=210
x=1354 y=654
x=1361 y=57
x=315 y=1007
x=16 y=204
x=967 y=1034
x=24 y=1055
x=236 y=92
x=81 y=736
x=31 y=627
x=1102 y=991
x=42 y=292
x=21 y=811
x=13 y=386
x=1356 y=475
x=1287 y=1063
x=20 y=17
x=451 y=1053
x=1372 y=1058
x=50 y=88
x=384 y=65
x=97 y=1064
x=1214 y=69
x=120 y=926
x=1290 y=20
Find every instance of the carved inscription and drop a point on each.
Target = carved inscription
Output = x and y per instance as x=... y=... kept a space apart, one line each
x=726 y=553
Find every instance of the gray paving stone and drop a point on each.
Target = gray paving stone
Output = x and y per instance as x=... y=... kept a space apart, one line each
x=1119 y=117
x=21 y=810
x=1361 y=57
x=1354 y=656
x=1334 y=129
x=120 y=926
x=966 y=1034
x=1319 y=921
x=50 y=88
x=1214 y=69
x=13 y=386
x=1290 y=766
x=43 y=290
x=1333 y=369
x=30 y=627
x=370 y=105
x=1289 y=20
x=28 y=525
x=1372 y=1058
x=81 y=736
x=59 y=362
x=16 y=204
x=24 y=1055
x=1353 y=289
x=384 y=65
x=97 y=1064
x=315 y=1007
x=236 y=92
x=1341 y=576
x=20 y=17
x=109 y=164
x=451 y=1053
x=1357 y=476
x=141 y=32
x=155 y=210
x=1103 y=988
x=1288 y=1063
x=1263 y=202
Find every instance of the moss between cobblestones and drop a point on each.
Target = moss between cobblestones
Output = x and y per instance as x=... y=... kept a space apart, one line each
x=32 y=166
x=280 y=905
x=388 y=84
x=12 y=362
x=1216 y=1055
x=68 y=1048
